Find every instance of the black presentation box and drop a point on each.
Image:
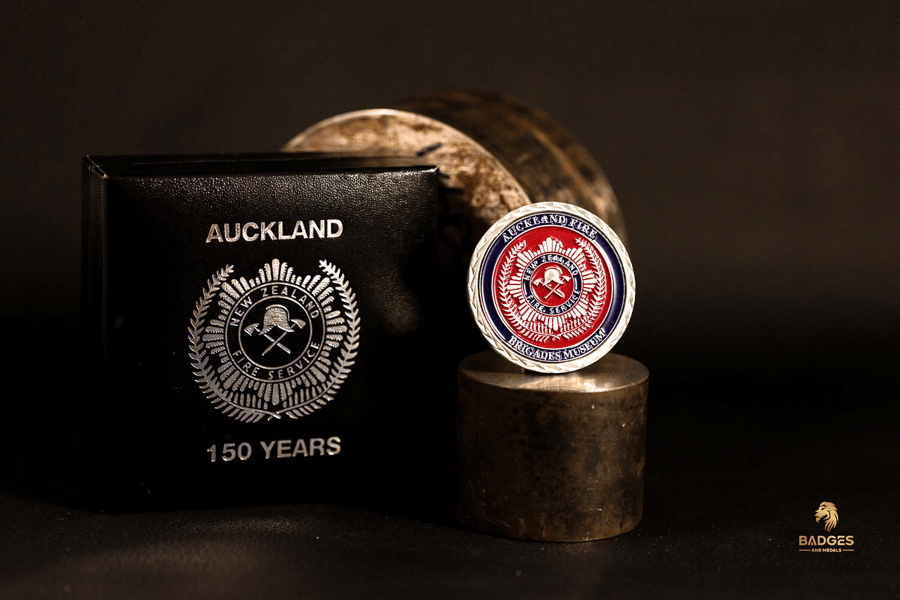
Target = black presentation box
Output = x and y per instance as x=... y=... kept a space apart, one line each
x=254 y=325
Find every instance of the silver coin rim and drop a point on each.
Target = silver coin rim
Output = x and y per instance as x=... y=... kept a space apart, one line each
x=475 y=304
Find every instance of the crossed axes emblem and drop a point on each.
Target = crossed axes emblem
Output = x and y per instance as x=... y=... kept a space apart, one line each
x=275 y=316
x=553 y=276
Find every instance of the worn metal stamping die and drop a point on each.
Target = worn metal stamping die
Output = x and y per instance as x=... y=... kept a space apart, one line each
x=495 y=154
x=551 y=457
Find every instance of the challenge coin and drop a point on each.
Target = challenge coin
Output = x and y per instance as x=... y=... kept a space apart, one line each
x=551 y=287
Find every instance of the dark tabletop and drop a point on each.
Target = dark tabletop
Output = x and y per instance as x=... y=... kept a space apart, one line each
x=736 y=468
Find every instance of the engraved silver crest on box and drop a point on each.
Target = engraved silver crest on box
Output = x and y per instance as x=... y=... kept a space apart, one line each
x=279 y=344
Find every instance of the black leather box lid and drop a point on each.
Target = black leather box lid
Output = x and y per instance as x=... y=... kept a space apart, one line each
x=254 y=324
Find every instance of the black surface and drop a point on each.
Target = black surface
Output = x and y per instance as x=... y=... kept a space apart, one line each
x=151 y=434
x=753 y=147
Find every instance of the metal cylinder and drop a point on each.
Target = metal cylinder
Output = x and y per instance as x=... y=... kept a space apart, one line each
x=551 y=457
x=495 y=154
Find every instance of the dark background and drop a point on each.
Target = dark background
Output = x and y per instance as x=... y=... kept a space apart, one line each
x=753 y=147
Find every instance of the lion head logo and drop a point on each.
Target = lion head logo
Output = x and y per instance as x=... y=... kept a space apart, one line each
x=828 y=512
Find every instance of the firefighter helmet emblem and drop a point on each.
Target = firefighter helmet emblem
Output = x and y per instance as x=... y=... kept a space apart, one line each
x=278 y=316
x=281 y=343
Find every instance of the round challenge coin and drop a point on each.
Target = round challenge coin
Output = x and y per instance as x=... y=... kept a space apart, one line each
x=551 y=287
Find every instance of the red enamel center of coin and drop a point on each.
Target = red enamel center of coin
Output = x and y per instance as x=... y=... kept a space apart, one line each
x=551 y=331
x=551 y=284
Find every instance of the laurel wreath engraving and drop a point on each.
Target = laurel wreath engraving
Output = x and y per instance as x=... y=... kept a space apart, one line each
x=351 y=339
x=536 y=329
x=233 y=404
